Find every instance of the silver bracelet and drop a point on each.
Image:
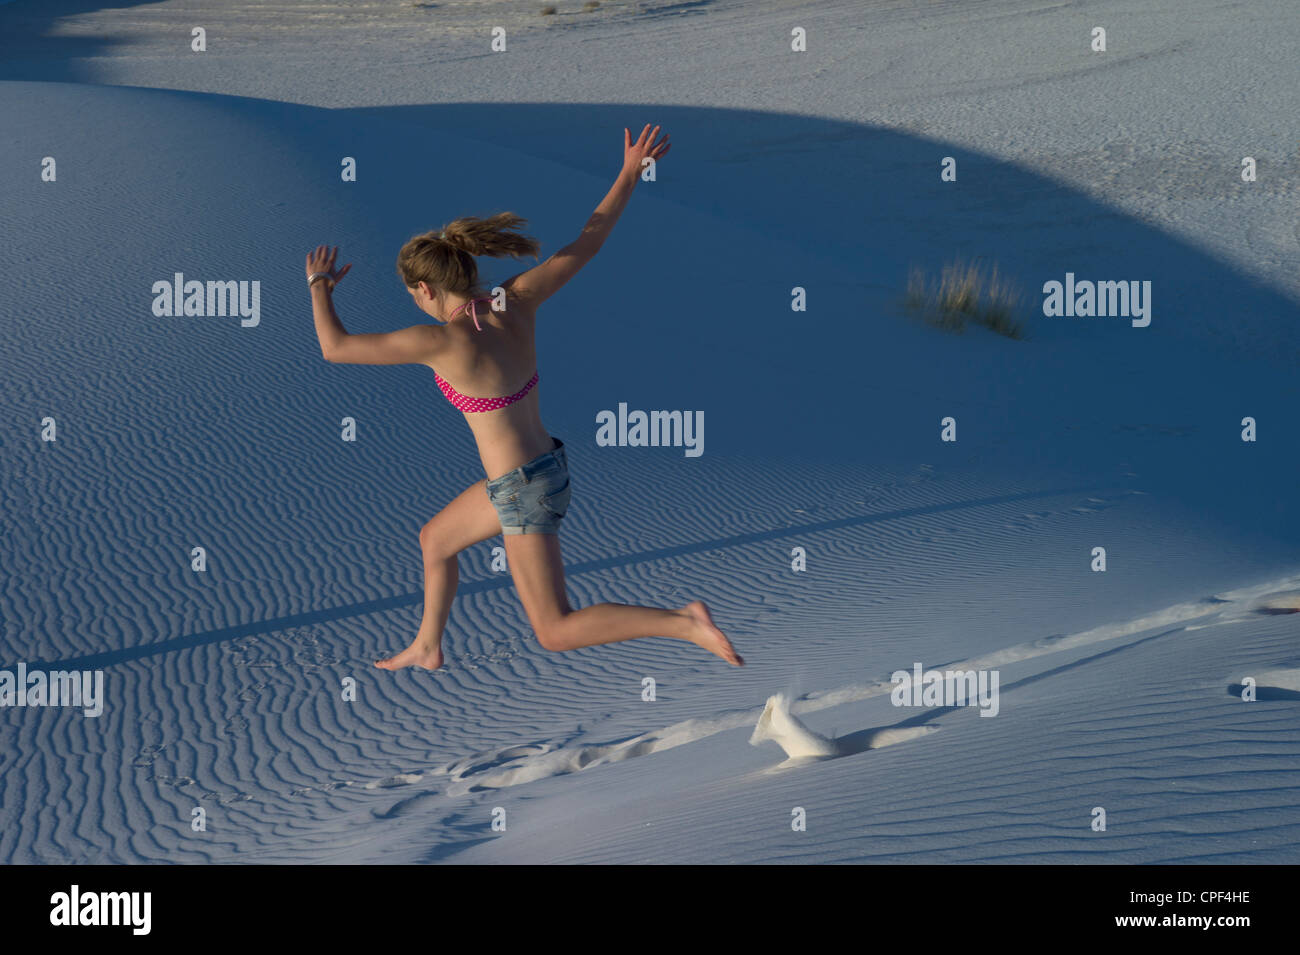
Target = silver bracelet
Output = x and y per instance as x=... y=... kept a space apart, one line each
x=311 y=279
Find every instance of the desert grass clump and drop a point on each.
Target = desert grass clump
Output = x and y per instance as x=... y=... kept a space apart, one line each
x=591 y=5
x=964 y=294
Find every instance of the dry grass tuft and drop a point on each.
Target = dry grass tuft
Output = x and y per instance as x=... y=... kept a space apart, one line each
x=962 y=295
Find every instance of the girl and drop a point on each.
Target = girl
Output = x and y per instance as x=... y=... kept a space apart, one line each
x=484 y=360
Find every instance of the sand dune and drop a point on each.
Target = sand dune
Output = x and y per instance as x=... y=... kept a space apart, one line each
x=223 y=689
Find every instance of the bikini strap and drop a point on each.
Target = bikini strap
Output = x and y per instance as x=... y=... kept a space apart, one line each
x=473 y=310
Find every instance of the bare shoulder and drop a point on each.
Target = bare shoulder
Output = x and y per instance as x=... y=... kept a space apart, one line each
x=518 y=300
x=435 y=344
x=433 y=341
x=434 y=334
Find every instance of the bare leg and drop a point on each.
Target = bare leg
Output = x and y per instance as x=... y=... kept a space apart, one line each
x=613 y=623
x=441 y=576
x=538 y=571
x=467 y=520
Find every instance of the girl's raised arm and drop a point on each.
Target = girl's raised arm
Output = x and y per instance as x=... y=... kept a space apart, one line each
x=544 y=280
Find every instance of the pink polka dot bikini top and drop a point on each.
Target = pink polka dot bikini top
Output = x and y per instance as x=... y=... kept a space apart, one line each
x=467 y=402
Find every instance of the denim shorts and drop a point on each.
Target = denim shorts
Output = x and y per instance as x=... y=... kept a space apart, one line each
x=533 y=497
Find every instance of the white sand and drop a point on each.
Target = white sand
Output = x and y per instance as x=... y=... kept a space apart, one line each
x=1119 y=689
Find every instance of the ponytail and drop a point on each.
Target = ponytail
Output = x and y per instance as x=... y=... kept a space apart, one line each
x=445 y=257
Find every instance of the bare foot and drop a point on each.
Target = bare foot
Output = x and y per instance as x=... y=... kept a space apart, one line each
x=416 y=655
x=709 y=637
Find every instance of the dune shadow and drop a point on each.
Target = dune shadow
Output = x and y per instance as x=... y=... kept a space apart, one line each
x=819 y=181
x=32 y=46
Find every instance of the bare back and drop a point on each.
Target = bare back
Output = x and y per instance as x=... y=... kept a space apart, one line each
x=498 y=358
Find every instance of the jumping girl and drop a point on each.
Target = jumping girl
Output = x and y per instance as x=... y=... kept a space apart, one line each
x=484 y=360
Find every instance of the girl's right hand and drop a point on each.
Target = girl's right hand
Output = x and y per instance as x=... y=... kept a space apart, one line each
x=645 y=146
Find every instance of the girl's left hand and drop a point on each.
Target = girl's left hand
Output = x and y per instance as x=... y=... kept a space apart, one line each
x=322 y=260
